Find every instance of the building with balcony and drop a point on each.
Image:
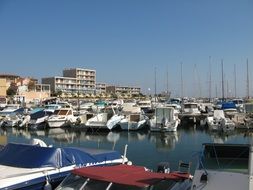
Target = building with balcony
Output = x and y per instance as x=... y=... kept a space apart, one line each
x=85 y=78
x=100 y=88
x=73 y=80
x=123 y=90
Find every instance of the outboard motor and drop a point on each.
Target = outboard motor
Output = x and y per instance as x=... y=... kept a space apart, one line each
x=163 y=167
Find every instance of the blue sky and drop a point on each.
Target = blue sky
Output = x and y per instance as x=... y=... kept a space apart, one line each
x=125 y=40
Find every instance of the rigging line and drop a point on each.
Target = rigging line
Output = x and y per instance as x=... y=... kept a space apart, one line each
x=216 y=156
x=201 y=163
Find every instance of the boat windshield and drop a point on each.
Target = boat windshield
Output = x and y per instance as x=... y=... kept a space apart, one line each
x=76 y=182
x=61 y=112
x=190 y=106
x=232 y=158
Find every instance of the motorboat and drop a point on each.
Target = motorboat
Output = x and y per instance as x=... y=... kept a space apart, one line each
x=227 y=125
x=11 y=120
x=100 y=119
x=190 y=112
x=124 y=177
x=214 y=122
x=26 y=166
x=113 y=122
x=219 y=122
x=164 y=120
x=38 y=118
x=224 y=166
x=134 y=121
x=62 y=117
x=11 y=108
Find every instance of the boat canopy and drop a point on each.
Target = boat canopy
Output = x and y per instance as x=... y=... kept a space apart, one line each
x=219 y=114
x=164 y=113
x=33 y=156
x=228 y=105
x=127 y=175
x=40 y=113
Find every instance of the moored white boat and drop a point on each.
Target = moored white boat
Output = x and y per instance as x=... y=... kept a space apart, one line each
x=61 y=118
x=133 y=121
x=219 y=122
x=164 y=120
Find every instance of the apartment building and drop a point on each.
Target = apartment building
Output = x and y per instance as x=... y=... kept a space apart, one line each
x=123 y=90
x=85 y=78
x=73 y=80
x=100 y=87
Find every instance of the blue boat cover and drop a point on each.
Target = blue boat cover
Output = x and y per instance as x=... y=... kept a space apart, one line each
x=228 y=105
x=33 y=156
x=40 y=113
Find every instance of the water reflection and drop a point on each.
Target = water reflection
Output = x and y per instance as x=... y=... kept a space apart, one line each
x=144 y=147
x=164 y=141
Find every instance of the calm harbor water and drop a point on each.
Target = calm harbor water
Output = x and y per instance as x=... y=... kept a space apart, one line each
x=144 y=148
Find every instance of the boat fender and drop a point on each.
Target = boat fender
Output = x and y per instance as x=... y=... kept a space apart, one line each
x=47 y=186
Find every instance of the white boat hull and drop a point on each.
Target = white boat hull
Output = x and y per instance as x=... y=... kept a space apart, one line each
x=126 y=125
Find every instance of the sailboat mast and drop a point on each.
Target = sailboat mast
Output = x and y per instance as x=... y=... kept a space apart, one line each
x=247 y=79
x=222 y=80
x=167 y=83
x=182 y=80
x=155 y=85
x=235 y=80
x=210 y=79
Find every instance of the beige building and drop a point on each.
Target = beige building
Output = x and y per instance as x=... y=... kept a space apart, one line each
x=123 y=90
x=100 y=88
x=3 y=87
x=9 y=79
x=40 y=93
x=85 y=78
x=73 y=80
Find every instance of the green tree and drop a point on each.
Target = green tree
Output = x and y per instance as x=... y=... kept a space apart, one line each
x=12 y=90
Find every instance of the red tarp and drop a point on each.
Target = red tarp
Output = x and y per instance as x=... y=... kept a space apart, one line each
x=127 y=175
